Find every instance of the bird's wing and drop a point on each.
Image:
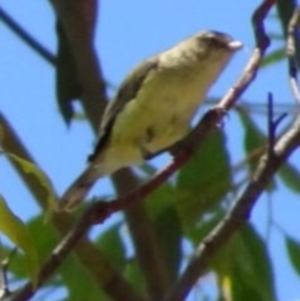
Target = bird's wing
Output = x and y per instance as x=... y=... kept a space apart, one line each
x=127 y=92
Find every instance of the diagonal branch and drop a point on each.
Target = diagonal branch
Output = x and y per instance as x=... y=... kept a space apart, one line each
x=91 y=79
x=26 y=37
x=251 y=69
x=265 y=170
x=239 y=213
x=91 y=257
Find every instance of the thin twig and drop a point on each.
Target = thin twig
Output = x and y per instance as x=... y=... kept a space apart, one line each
x=271 y=127
x=4 y=265
x=249 y=74
x=272 y=124
x=26 y=37
x=60 y=253
x=90 y=257
x=291 y=50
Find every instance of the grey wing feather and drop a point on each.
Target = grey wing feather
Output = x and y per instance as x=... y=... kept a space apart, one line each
x=127 y=91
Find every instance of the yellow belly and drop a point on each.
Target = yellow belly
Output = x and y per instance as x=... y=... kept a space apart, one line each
x=152 y=122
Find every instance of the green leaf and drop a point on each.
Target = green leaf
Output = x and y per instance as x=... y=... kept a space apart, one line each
x=79 y=282
x=254 y=139
x=204 y=181
x=112 y=245
x=44 y=244
x=72 y=272
x=17 y=232
x=67 y=83
x=274 y=57
x=293 y=248
x=134 y=275
x=164 y=216
x=255 y=142
x=160 y=200
x=290 y=176
x=43 y=181
x=17 y=264
x=169 y=234
x=247 y=267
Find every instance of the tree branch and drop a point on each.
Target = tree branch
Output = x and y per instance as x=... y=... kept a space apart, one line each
x=91 y=257
x=147 y=248
x=93 y=102
x=26 y=37
x=239 y=213
x=291 y=49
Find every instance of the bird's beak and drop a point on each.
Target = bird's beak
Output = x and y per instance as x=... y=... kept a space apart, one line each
x=235 y=45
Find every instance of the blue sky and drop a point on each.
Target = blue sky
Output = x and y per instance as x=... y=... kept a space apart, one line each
x=128 y=32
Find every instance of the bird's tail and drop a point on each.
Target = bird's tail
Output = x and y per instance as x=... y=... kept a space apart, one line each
x=76 y=193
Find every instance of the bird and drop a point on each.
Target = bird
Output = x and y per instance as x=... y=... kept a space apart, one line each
x=153 y=107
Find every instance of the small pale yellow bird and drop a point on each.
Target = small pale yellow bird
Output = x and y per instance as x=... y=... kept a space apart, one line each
x=153 y=107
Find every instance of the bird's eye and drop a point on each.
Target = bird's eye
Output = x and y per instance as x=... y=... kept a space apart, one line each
x=216 y=43
x=216 y=39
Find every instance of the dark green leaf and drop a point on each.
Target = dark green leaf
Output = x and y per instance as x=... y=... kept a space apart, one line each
x=162 y=211
x=255 y=142
x=204 y=181
x=290 y=176
x=67 y=84
x=160 y=200
x=75 y=277
x=254 y=139
x=249 y=267
x=44 y=245
x=168 y=231
x=112 y=245
x=135 y=276
x=293 y=248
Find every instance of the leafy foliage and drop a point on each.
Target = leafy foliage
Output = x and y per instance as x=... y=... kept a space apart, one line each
x=17 y=232
x=42 y=180
x=181 y=213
